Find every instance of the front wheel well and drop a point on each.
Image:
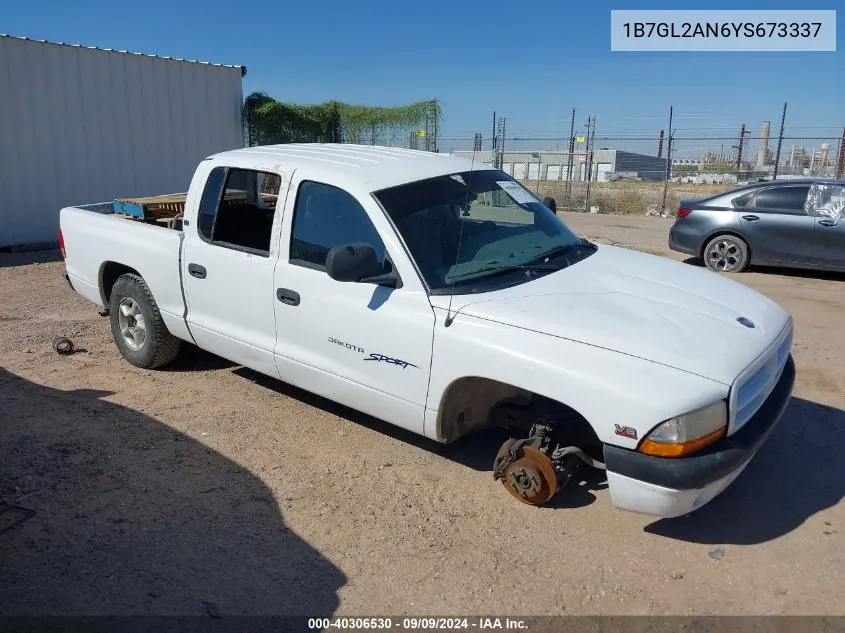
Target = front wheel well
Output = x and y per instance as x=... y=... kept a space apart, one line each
x=474 y=403
x=110 y=272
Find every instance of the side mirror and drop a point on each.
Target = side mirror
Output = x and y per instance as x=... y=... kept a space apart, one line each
x=551 y=204
x=357 y=263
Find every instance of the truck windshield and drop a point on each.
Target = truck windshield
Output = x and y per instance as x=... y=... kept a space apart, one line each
x=479 y=231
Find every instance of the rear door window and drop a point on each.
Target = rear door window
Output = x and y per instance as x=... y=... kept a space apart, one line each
x=788 y=200
x=237 y=209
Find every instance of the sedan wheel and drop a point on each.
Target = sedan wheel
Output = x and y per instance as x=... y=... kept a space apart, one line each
x=726 y=253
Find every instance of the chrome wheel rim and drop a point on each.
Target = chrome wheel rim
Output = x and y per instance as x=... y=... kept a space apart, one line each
x=130 y=321
x=724 y=255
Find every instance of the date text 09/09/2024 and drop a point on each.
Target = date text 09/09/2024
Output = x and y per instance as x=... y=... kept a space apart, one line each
x=416 y=624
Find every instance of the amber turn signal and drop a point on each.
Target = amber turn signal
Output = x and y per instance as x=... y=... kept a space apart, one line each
x=661 y=449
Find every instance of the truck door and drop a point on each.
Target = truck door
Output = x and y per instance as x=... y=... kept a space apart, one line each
x=227 y=265
x=360 y=344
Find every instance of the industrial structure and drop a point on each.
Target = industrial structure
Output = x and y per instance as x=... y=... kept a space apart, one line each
x=83 y=124
x=606 y=164
x=824 y=161
x=763 y=154
x=816 y=159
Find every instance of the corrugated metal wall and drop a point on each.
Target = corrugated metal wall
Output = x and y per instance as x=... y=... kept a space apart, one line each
x=81 y=125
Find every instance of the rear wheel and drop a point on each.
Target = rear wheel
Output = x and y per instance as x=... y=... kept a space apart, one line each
x=137 y=327
x=726 y=253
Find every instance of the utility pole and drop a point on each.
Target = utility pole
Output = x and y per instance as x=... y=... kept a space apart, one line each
x=587 y=166
x=501 y=143
x=434 y=114
x=588 y=157
x=493 y=154
x=780 y=141
x=568 y=190
x=668 y=161
x=739 y=148
x=840 y=157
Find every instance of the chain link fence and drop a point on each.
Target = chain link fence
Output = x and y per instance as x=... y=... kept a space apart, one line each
x=584 y=171
x=648 y=175
x=638 y=174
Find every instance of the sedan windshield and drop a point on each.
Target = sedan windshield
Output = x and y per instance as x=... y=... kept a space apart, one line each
x=479 y=231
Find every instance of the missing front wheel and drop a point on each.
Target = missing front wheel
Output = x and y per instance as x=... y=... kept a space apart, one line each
x=536 y=468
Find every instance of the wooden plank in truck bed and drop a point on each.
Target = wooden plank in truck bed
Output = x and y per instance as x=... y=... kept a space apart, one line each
x=151 y=207
x=169 y=205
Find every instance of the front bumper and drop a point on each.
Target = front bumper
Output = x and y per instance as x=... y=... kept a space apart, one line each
x=670 y=487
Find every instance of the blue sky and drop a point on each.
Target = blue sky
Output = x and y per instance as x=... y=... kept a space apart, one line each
x=530 y=61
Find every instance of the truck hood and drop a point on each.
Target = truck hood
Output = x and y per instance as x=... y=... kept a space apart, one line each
x=642 y=305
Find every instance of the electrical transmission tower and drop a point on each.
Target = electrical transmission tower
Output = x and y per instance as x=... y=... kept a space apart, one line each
x=500 y=159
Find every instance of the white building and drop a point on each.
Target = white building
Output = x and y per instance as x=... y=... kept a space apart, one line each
x=607 y=164
x=82 y=124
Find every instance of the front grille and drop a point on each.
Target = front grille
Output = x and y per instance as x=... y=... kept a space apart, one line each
x=752 y=392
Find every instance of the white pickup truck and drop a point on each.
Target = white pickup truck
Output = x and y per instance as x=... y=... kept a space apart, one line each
x=441 y=296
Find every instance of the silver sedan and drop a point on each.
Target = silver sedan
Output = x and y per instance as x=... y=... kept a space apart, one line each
x=793 y=223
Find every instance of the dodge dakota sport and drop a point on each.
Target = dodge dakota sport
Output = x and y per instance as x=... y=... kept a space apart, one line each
x=440 y=295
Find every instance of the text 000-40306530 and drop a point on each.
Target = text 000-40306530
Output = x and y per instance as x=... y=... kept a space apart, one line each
x=752 y=30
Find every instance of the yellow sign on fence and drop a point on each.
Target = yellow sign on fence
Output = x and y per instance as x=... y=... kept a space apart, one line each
x=420 y=132
x=579 y=139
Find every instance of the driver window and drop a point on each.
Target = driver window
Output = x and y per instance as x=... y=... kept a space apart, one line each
x=325 y=217
x=826 y=201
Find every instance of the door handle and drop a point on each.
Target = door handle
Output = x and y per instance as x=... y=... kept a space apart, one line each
x=195 y=270
x=751 y=218
x=288 y=297
x=827 y=222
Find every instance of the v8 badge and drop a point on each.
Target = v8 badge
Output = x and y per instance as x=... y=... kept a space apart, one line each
x=625 y=431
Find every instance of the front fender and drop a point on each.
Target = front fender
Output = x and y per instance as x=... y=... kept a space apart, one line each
x=606 y=387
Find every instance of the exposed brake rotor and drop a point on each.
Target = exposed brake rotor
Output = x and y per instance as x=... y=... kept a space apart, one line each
x=526 y=472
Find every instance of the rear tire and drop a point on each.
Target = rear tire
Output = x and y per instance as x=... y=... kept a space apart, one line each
x=137 y=327
x=726 y=254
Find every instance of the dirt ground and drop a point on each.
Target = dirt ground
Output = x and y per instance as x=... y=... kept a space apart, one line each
x=208 y=489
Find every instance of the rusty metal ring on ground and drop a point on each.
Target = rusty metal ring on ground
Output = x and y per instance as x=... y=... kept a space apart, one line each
x=63 y=345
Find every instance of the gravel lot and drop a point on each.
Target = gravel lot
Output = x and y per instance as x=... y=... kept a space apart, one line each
x=208 y=489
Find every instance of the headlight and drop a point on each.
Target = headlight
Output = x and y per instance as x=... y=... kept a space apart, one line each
x=687 y=433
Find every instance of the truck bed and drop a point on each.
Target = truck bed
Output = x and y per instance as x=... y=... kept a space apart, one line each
x=95 y=235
